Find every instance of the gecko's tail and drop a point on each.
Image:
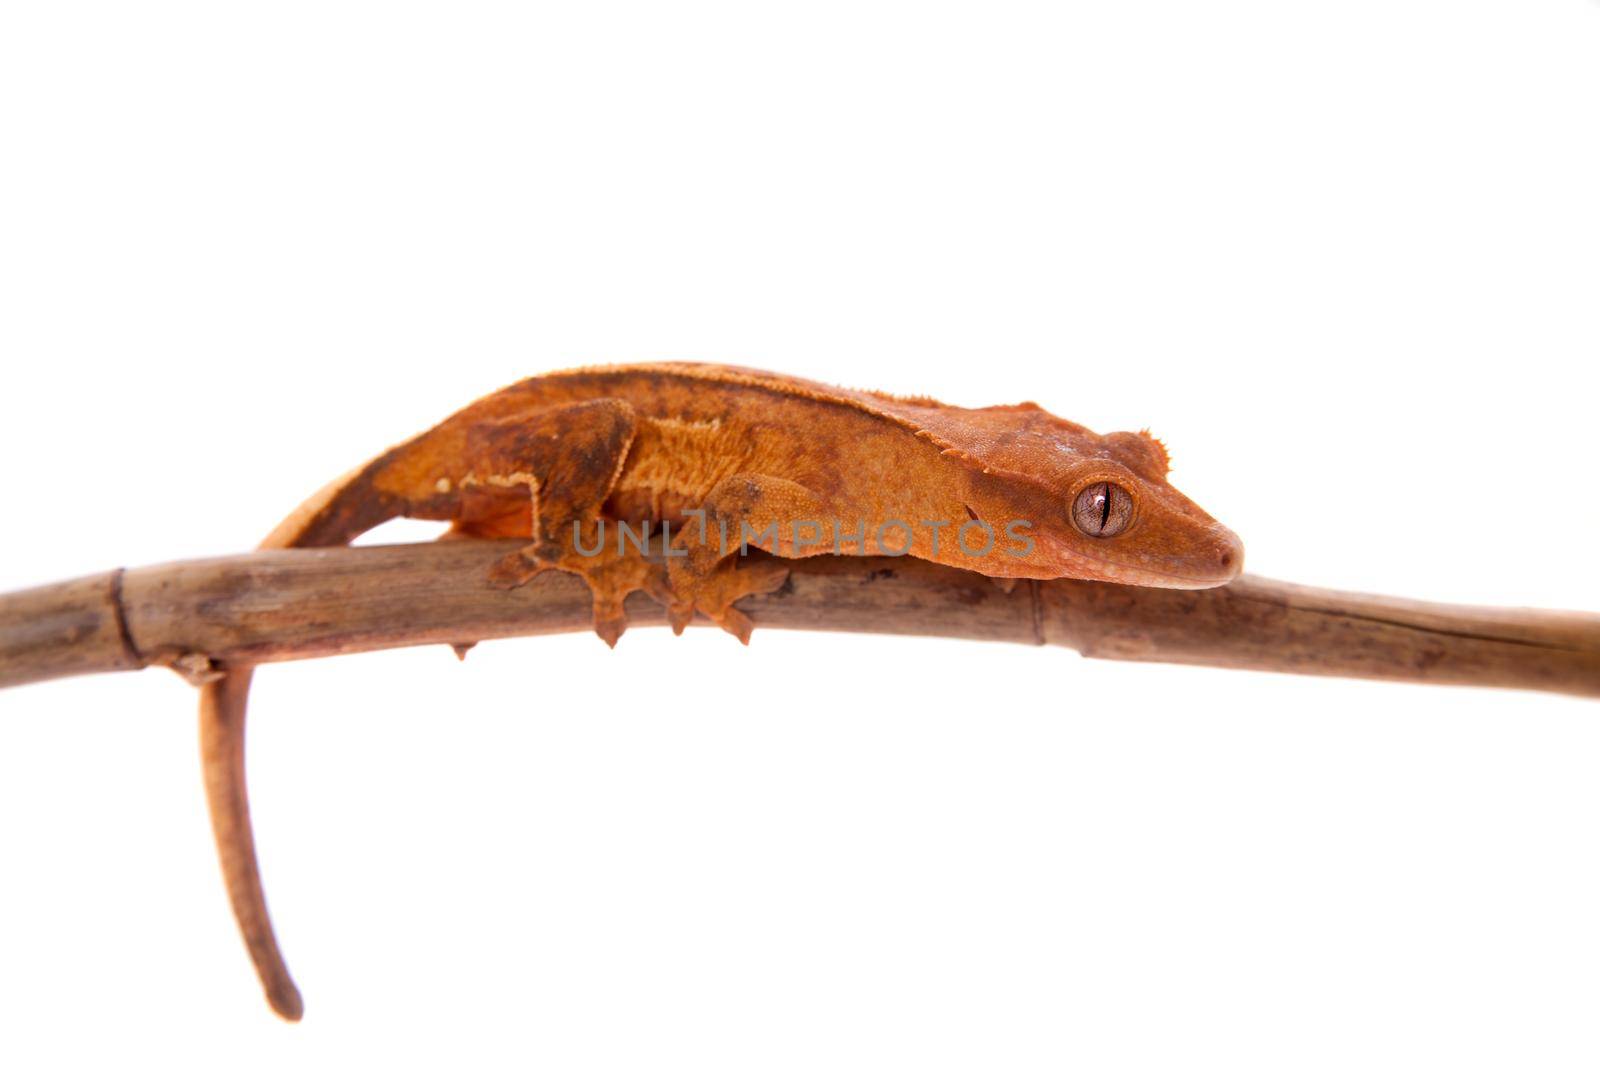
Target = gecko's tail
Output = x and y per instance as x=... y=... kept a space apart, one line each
x=335 y=515
x=222 y=711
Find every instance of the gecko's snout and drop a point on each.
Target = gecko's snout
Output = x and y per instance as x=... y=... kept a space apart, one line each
x=1212 y=556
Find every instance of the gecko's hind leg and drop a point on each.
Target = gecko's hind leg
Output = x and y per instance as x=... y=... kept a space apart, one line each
x=567 y=460
x=611 y=573
x=610 y=579
x=222 y=711
x=543 y=477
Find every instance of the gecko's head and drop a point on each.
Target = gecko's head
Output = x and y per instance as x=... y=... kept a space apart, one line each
x=1116 y=519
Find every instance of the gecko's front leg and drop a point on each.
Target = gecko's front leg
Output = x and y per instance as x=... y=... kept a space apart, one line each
x=711 y=568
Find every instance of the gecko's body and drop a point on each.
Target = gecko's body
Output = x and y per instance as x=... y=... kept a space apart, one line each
x=1012 y=492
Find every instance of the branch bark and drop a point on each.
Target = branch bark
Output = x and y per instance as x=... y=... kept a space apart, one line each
x=202 y=615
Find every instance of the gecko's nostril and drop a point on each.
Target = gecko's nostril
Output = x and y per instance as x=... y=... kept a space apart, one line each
x=1230 y=557
x=1229 y=554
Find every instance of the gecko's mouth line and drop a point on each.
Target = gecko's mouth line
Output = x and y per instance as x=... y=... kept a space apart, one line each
x=1173 y=581
x=1117 y=570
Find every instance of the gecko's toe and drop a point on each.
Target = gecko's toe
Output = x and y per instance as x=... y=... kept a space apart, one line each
x=610 y=623
x=515 y=570
x=736 y=623
x=679 y=615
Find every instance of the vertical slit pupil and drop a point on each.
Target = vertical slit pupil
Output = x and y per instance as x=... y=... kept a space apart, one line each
x=1105 y=505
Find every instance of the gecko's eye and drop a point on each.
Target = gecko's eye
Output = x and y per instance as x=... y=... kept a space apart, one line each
x=1102 y=510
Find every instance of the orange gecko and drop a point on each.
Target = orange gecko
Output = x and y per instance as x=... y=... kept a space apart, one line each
x=579 y=464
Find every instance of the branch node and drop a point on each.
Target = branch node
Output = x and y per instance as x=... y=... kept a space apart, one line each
x=196 y=668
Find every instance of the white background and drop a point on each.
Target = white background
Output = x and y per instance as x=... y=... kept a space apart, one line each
x=1342 y=257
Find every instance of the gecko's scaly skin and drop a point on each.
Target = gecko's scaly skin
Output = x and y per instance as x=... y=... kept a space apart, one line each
x=560 y=460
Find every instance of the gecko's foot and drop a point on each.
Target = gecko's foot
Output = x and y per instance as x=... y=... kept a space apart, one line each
x=714 y=594
x=610 y=579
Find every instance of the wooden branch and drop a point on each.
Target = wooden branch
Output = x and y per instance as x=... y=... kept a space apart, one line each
x=265 y=606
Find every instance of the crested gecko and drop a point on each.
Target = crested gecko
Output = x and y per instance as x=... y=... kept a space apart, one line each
x=580 y=465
